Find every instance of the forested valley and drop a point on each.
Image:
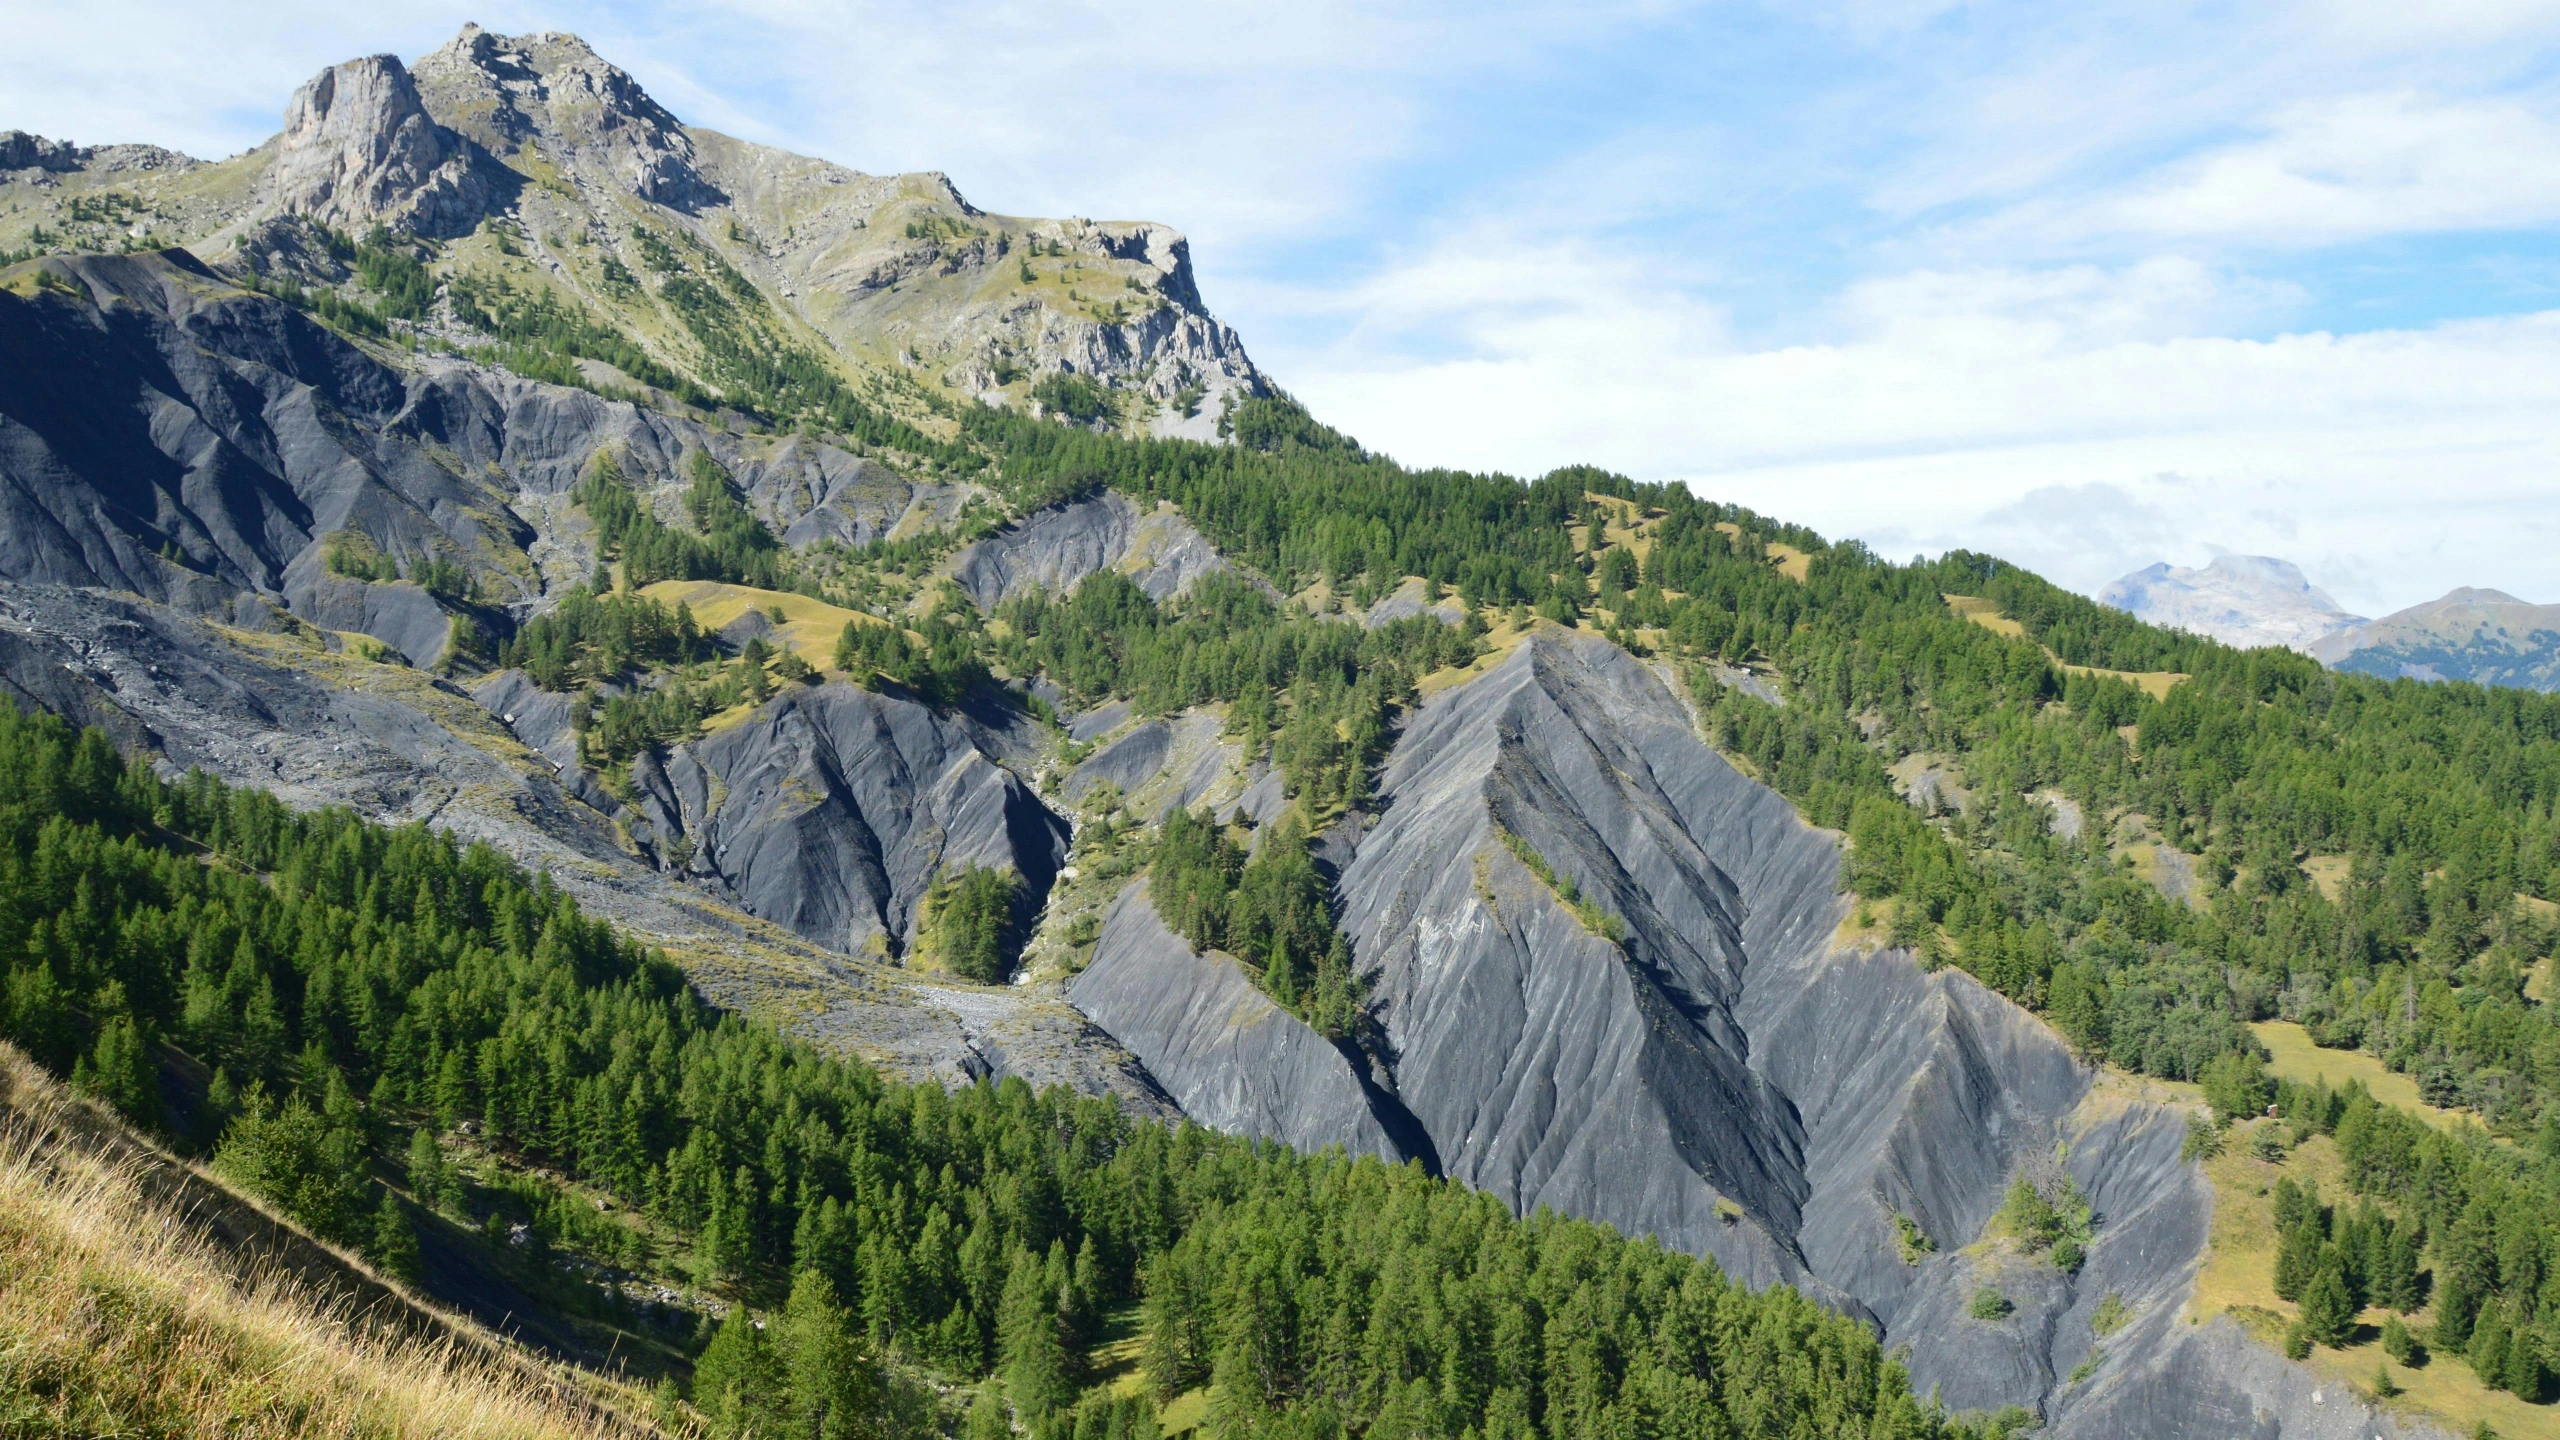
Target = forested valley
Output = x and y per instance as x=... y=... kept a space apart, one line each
x=362 y=996
x=2431 y=805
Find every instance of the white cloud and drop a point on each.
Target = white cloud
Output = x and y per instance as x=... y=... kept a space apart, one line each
x=2336 y=169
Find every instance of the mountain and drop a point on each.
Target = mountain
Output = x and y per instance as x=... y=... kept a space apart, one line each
x=2243 y=600
x=549 y=180
x=691 y=748
x=2483 y=636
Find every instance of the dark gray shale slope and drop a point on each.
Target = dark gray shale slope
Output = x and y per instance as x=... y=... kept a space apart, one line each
x=1723 y=1077
x=167 y=434
x=272 y=706
x=1056 y=548
x=832 y=809
x=1255 y=1068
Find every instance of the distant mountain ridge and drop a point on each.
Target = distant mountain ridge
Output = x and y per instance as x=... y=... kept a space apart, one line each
x=2487 y=637
x=2243 y=600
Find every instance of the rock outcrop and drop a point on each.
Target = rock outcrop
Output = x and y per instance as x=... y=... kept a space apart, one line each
x=359 y=150
x=259 y=699
x=573 y=157
x=832 y=809
x=1248 y=1066
x=549 y=98
x=167 y=434
x=1056 y=548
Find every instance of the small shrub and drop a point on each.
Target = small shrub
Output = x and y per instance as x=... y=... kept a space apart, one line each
x=2069 y=1255
x=1915 y=1242
x=2401 y=1343
x=1990 y=1304
x=2111 y=1315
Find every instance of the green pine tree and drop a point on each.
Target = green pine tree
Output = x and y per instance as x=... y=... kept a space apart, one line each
x=119 y=1070
x=2328 y=1313
x=739 y=1384
x=1035 y=1363
x=394 y=1250
x=836 y=1387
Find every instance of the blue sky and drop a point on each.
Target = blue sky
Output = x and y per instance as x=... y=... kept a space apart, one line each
x=2088 y=286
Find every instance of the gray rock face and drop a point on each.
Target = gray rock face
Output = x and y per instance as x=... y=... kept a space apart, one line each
x=1408 y=600
x=1551 y=1065
x=832 y=809
x=277 y=709
x=1719 y=1076
x=550 y=92
x=2212 y=1381
x=190 y=442
x=1127 y=762
x=1056 y=548
x=22 y=151
x=1248 y=1066
x=441 y=145
x=359 y=149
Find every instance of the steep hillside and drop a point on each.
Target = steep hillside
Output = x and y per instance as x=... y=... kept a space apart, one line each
x=139 y=1294
x=889 y=1257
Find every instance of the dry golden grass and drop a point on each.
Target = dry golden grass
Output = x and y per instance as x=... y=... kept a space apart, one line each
x=117 y=1319
x=1499 y=642
x=2328 y=874
x=2238 y=1279
x=2154 y=683
x=1793 y=563
x=1985 y=614
x=809 y=626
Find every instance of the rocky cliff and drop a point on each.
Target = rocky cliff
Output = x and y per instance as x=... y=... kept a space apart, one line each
x=549 y=169
x=1056 y=548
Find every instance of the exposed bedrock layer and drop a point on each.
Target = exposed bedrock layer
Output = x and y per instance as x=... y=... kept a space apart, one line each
x=164 y=433
x=1252 y=1067
x=1056 y=548
x=1717 y=1075
x=832 y=809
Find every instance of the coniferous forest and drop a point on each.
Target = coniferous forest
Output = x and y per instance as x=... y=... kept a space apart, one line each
x=357 y=990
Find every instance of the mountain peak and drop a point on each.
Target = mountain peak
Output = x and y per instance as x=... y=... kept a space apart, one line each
x=552 y=95
x=2242 y=600
x=359 y=149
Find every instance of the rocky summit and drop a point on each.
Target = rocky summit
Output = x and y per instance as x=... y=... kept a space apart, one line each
x=928 y=631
